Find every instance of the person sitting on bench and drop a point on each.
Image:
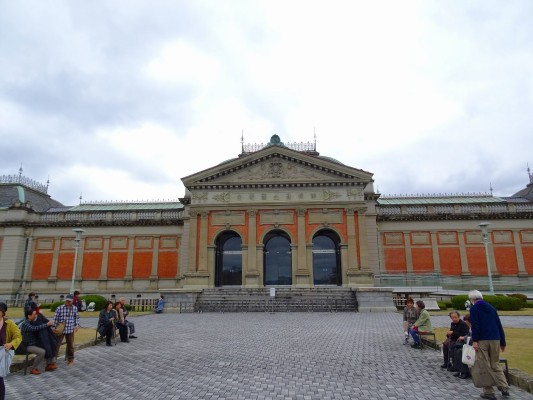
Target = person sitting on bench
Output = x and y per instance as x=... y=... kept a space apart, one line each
x=32 y=338
x=421 y=325
x=160 y=305
x=120 y=322
x=457 y=329
x=106 y=323
x=463 y=371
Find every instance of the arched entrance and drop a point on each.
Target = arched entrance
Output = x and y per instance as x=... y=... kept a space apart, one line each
x=277 y=259
x=326 y=258
x=228 y=268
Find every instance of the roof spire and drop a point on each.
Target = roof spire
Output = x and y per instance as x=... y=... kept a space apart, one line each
x=242 y=140
x=47 y=183
x=490 y=188
x=20 y=169
x=81 y=196
x=314 y=136
x=529 y=174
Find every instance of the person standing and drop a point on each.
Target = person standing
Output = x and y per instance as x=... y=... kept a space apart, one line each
x=409 y=317
x=10 y=338
x=68 y=314
x=30 y=329
x=488 y=340
x=31 y=302
x=76 y=301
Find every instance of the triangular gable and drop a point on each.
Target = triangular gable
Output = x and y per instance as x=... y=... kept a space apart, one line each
x=278 y=165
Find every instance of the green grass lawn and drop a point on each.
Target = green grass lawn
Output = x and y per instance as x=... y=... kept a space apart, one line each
x=519 y=350
x=522 y=312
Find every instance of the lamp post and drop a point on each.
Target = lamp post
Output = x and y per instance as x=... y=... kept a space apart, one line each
x=485 y=237
x=77 y=240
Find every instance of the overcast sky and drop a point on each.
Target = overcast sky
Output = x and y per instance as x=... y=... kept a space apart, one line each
x=120 y=100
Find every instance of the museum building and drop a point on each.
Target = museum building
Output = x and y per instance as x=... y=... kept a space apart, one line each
x=278 y=215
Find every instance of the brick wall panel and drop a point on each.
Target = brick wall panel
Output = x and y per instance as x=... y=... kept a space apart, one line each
x=450 y=260
x=167 y=264
x=477 y=261
x=92 y=265
x=116 y=265
x=422 y=260
x=142 y=264
x=395 y=260
x=42 y=265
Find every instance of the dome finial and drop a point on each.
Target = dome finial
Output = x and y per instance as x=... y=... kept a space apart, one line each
x=20 y=170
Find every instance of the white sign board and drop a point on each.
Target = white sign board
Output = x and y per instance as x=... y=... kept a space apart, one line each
x=272 y=292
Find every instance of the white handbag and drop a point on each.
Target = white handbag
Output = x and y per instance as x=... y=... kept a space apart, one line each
x=469 y=354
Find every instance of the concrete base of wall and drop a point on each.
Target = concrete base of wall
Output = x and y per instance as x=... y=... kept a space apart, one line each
x=375 y=299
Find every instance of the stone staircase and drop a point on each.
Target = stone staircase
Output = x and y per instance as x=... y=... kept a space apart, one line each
x=330 y=299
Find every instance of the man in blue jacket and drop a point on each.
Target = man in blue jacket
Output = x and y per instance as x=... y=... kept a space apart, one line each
x=488 y=339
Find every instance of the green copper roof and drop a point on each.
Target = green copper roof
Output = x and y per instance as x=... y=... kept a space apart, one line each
x=397 y=201
x=127 y=207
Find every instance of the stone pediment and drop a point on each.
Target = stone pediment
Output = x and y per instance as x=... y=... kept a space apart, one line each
x=278 y=166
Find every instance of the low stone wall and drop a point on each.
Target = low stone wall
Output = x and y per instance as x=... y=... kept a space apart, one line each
x=375 y=299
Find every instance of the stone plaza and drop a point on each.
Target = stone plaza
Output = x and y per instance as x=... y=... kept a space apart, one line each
x=256 y=356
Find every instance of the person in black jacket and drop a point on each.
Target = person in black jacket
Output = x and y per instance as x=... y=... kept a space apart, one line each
x=34 y=336
x=458 y=328
x=106 y=322
x=463 y=371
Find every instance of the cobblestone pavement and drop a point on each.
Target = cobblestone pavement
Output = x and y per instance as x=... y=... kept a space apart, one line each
x=254 y=356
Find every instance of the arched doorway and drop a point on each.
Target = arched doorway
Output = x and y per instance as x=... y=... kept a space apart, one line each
x=277 y=259
x=228 y=268
x=326 y=258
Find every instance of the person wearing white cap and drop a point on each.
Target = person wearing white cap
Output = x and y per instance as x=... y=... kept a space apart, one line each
x=67 y=315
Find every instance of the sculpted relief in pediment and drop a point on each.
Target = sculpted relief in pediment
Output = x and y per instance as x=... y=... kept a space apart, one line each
x=276 y=169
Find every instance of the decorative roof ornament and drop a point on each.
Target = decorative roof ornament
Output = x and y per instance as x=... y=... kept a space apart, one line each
x=529 y=174
x=490 y=188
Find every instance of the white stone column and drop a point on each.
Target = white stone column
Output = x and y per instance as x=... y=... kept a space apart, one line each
x=408 y=253
x=302 y=256
x=155 y=258
x=465 y=269
x=193 y=228
x=435 y=251
x=350 y=263
x=519 y=255
x=105 y=258
x=202 y=262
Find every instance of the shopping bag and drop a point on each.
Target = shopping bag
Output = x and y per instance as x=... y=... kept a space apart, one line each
x=469 y=355
x=6 y=357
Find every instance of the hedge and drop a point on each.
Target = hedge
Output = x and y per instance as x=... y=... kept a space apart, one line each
x=99 y=301
x=503 y=303
x=56 y=304
x=522 y=297
x=442 y=305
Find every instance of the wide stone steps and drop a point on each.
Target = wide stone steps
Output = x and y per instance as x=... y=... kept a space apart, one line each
x=286 y=300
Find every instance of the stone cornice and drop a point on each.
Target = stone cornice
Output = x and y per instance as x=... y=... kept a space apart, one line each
x=451 y=217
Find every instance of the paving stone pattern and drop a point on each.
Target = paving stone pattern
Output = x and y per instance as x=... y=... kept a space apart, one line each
x=259 y=356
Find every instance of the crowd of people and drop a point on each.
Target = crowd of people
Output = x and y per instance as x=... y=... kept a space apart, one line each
x=36 y=334
x=481 y=328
